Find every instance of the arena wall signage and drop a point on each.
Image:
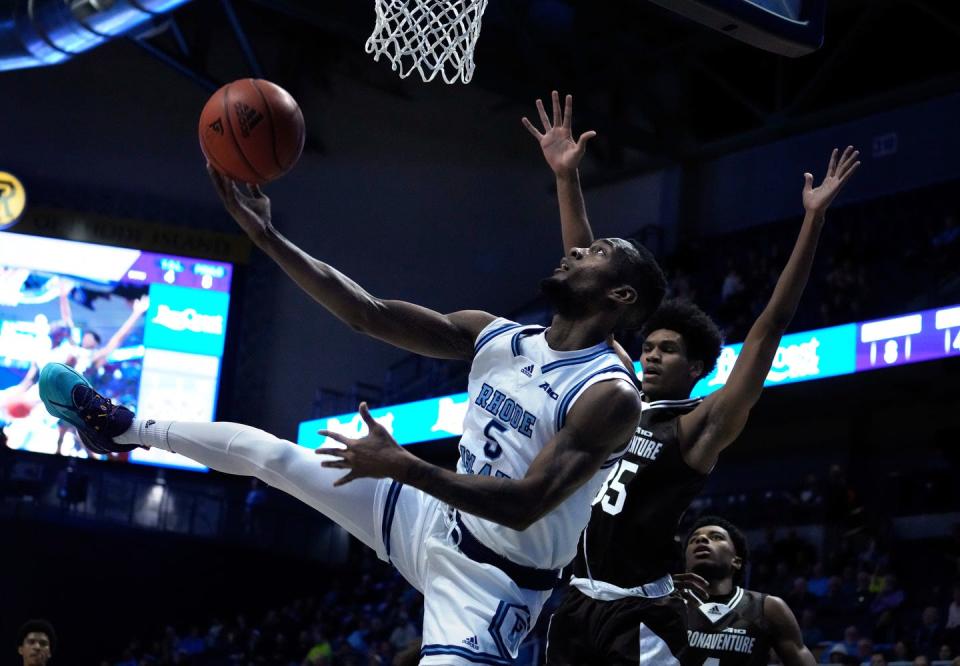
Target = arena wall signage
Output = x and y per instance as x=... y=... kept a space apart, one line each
x=13 y=199
x=805 y=356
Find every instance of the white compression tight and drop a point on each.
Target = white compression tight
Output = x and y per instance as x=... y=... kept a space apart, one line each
x=234 y=448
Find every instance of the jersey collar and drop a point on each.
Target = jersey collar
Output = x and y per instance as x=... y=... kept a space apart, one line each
x=715 y=611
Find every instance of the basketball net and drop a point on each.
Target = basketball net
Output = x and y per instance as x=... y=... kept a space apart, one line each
x=428 y=36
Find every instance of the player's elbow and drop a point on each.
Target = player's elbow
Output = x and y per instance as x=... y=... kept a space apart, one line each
x=531 y=508
x=368 y=316
x=524 y=520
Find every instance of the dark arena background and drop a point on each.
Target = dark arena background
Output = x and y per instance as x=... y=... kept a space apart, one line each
x=845 y=480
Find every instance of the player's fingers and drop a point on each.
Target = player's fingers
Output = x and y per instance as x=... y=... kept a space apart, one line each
x=807 y=182
x=852 y=170
x=217 y=179
x=568 y=112
x=698 y=585
x=582 y=141
x=543 y=115
x=832 y=164
x=343 y=480
x=255 y=190
x=335 y=464
x=557 y=118
x=849 y=157
x=335 y=436
x=368 y=418
x=530 y=128
x=847 y=152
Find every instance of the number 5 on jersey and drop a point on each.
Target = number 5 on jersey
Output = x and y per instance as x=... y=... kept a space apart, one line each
x=613 y=492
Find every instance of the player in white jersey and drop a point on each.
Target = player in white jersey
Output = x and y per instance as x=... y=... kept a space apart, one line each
x=549 y=410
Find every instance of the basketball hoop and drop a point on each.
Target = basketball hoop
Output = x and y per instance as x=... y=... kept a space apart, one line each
x=428 y=36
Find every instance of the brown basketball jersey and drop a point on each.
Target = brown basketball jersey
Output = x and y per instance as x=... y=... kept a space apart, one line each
x=728 y=633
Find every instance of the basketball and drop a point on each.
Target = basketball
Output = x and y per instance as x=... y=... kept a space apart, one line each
x=252 y=131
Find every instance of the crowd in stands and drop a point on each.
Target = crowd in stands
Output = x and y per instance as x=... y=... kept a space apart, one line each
x=861 y=597
x=366 y=618
x=732 y=276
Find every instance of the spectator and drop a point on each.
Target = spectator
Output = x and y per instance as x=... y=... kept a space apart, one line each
x=851 y=640
x=886 y=606
x=358 y=637
x=901 y=652
x=837 y=654
x=192 y=644
x=878 y=659
x=945 y=653
x=921 y=660
x=929 y=636
x=812 y=634
x=404 y=633
x=953 y=618
x=253 y=510
x=36 y=642
x=321 y=653
x=819 y=582
x=732 y=283
x=862 y=595
x=798 y=598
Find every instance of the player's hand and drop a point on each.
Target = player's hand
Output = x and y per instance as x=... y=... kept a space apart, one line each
x=375 y=456
x=816 y=200
x=249 y=206
x=562 y=153
x=690 y=585
x=141 y=305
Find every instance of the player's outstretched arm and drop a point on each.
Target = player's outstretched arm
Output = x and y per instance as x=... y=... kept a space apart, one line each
x=787 y=638
x=599 y=423
x=66 y=314
x=563 y=156
x=405 y=325
x=140 y=306
x=720 y=418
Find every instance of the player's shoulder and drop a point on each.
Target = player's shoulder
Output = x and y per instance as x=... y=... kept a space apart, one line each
x=480 y=325
x=775 y=610
x=612 y=399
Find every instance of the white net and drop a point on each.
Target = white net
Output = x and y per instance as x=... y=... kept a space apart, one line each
x=428 y=36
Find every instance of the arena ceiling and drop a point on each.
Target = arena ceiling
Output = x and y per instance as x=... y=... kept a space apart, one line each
x=663 y=89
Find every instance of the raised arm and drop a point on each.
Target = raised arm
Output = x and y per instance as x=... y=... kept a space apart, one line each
x=405 y=325
x=140 y=306
x=599 y=423
x=563 y=156
x=787 y=638
x=66 y=314
x=720 y=418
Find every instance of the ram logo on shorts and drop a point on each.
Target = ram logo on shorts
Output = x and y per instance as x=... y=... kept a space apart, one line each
x=509 y=627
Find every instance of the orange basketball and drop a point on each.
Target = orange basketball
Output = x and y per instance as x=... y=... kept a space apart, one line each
x=252 y=130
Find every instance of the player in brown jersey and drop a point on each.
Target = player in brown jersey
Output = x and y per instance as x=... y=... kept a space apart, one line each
x=619 y=608
x=734 y=626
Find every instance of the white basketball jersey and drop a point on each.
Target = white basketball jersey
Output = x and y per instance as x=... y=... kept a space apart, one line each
x=520 y=394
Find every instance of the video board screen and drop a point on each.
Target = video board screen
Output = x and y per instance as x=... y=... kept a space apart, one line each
x=145 y=329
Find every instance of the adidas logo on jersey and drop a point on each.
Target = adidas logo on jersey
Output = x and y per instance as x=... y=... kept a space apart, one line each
x=472 y=642
x=528 y=371
x=714 y=610
x=248 y=116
